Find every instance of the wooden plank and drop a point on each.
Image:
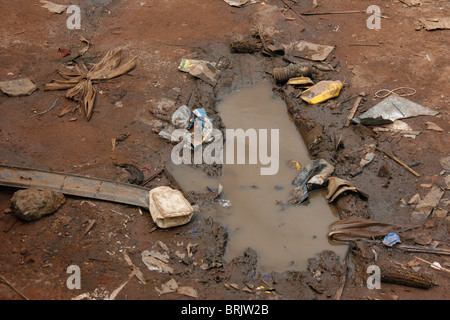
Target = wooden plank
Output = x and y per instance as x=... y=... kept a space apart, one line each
x=75 y=185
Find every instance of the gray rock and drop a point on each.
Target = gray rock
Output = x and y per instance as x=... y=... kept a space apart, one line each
x=20 y=87
x=33 y=204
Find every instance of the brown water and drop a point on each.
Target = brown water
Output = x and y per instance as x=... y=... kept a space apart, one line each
x=259 y=217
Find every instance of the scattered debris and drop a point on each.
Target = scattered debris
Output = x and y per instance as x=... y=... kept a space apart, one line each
x=201 y=69
x=138 y=274
x=337 y=187
x=392 y=273
x=98 y=294
x=245 y=46
x=5 y=281
x=309 y=51
x=426 y=205
x=368 y=158
x=331 y=12
x=422 y=249
x=80 y=81
x=240 y=3
x=391 y=239
x=168 y=287
x=322 y=91
x=181 y=118
x=433 y=126
x=273 y=49
x=77 y=54
x=169 y=208
x=53 y=7
x=188 y=291
x=415 y=199
x=49 y=109
x=412 y=3
x=311 y=177
x=301 y=82
x=282 y=75
x=224 y=203
x=76 y=185
x=88 y=228
x=203 y=124
x=33 y=204
x=169 y=135
x=116 y=292
x=398 y=161
x=294 y=164
x=390 y=109
x=156 y=261
x=136 y=175
x=435 y=23
x=20 y=87
x=398 y=126
x=445 y=164
x=172 y=286
x=354 y=109
x=434 y=265
x=352 y=228
x=384 y=172
x=423 y=239
x=64 y=52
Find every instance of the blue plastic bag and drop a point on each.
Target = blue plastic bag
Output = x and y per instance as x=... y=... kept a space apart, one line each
x=391 y=239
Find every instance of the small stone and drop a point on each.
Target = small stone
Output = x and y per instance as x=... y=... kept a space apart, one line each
x=20 y=87
x=33 y=204
x=384 y=171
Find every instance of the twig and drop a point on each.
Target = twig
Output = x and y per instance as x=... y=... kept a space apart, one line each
x=355 y=107
x=89 y=227
x=3 y=280
x=43 y=112
x=418 y=249
x=344 y=276
x=330 y=12
x=138 y=274
x=365 y=44
x=434 y=266
x=399 y=162
x=152 y=176
x=295 y=11
x=117 y=291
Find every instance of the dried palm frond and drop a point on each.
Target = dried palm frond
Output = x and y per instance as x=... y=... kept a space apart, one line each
x=80 y=80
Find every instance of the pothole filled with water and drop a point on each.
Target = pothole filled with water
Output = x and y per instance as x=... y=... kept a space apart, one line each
x=256 y=210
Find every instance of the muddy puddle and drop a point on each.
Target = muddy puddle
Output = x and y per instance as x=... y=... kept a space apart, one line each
x=254 y=207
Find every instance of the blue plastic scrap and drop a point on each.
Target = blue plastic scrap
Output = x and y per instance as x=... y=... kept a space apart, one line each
x=391 y=239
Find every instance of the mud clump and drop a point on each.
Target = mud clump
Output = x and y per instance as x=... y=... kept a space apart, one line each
x=33 y=204
x=245 y=47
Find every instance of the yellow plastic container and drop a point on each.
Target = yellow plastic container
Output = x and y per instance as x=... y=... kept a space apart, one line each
x=300 y=81
x=322 y=91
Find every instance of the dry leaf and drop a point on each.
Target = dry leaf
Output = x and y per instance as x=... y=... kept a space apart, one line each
x=80 y=81
x=433 y=126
